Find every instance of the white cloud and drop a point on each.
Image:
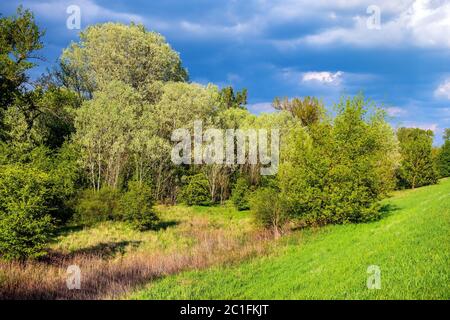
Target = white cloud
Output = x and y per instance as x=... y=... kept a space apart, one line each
x=323 y=77
x=443 y=90
x=424 y=126
x=424 y=23
x=395 y=111
x=260 y=107
x=90 y=11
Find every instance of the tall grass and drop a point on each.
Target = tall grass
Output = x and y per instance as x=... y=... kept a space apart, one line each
x=105 y=274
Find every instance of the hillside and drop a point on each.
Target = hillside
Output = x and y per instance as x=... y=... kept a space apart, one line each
x=411 y=246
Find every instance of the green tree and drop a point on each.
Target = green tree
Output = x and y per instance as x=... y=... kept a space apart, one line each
x=230 y=100
x=20 y=38
x=443 y=158
x=308 y=110
x=105 y=127
x=240 y=194
x=137 y=206
x=114 y=51
x=336 y=170
x=417 y=165
x=195 y=190
x=25 y=223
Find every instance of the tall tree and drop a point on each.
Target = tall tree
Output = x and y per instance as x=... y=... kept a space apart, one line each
x=20 y=38
x=443 y=158
x=114 y=51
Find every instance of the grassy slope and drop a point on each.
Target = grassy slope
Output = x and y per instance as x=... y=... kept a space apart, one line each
x=411 y=245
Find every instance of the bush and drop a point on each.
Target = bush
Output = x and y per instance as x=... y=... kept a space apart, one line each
x=240 y=194
x=443 y=159
x=25 y=223
x=195 y=191
x=95 y=206
x=268 y=207
x=418 y=167
x=136 y=206
x=336 y=171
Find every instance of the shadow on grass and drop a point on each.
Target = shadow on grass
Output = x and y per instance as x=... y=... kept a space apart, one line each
x=163 y=225
x=103 y=250
x=388 y=209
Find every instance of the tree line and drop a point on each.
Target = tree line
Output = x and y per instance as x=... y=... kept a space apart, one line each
x=90 y=141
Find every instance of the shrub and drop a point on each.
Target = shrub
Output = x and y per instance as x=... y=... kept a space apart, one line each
x=25 y=223
x=240 y=194
x=136 y=206
x=269 y=210
x=443 y=158
x=195 y=191
x=337 y=170
x=97 y=205
x=418 y=168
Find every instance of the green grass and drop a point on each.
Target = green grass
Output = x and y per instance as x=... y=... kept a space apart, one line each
x=176 y=233
x=411 y=246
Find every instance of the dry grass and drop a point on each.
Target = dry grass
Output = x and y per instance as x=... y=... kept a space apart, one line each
x=111 y=269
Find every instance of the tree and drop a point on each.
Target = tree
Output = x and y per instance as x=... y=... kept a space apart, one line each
x=195 y=190
x=20 y=38
x=25 y=223
x=114 y=51
x=443 y=158
x=231 y=100
x=105 y=128
x=269 y=209
x=337 y=170
x=417 y=166
x=308 y=110
x=137 y=206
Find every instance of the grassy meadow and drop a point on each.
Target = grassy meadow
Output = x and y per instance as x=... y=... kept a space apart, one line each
x=218 y=253
x=411 y=245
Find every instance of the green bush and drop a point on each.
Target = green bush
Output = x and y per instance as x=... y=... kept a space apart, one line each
x=136 y=206
x=25 y=223
x=240 y=194
x=336 y=171
x=269 y=209
x=418 y=167
x=443 y=158
x=195 y=191
x=97 y=205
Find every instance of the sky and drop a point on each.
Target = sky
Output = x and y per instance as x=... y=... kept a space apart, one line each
x=396 y=52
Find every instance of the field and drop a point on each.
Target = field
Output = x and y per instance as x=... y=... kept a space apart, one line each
x=411 y=246
x=218 y=253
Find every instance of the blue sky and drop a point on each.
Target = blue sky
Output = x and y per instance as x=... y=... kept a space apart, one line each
x=292 y=47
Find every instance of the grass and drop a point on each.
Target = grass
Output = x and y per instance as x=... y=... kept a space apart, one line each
x=114 y=258
x=410 y=245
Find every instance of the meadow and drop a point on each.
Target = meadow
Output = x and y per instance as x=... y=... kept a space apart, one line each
x=218 y=253
x=411 y=246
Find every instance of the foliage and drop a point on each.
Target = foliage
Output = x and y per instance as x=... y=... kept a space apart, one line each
x=97 y=205
x=443 y=158
x=195 y=190
x=230 y=100
x=417 y=166
x=117 y=52
x=269 y=209
x=105 y=126
x=308 y=110
x=25 y=222
x=331 y=262
x=336 y=171
x=240 y=194
x=136 y=206
x=20 y=37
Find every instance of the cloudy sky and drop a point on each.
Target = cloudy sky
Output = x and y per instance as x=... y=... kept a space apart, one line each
x=292 y=47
